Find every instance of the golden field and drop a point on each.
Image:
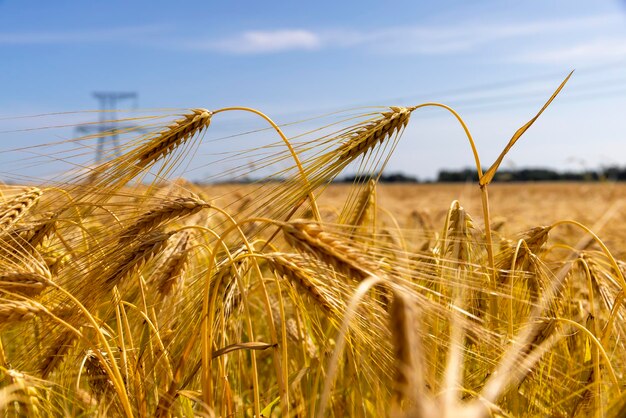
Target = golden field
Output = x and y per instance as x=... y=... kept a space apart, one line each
x=516 y=207
x=523 y=205
x=126 y=292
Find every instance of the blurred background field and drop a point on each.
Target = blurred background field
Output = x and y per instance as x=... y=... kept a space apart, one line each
x=515 y=207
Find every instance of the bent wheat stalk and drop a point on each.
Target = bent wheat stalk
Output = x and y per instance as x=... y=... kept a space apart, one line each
x=292 y=151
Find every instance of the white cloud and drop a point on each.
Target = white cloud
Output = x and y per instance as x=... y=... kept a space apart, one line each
x=259 y=42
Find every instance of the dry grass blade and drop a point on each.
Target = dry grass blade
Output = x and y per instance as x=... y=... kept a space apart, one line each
x=409 y=374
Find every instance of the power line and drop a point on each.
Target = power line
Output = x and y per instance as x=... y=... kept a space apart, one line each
x=451 y=94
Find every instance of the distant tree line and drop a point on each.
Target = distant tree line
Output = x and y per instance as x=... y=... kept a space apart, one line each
x=384 y=178
x=535 y=174
x=470 y=175
x=504 y=175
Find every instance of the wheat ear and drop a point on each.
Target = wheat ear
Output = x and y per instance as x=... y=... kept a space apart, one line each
x=170 y=138
x=28 y=391
x=56 y=353
x=363 y=138
x=310 y=238
x=12 y=311
x=99 y=380
x=156 y=217
x=290 y=266
x=13 y=210
x=364 y=207
x=174 y=267
x=23 y=283
x=135 y=258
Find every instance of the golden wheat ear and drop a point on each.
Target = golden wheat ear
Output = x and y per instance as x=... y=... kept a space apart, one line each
x=364 y=138
x=292 y=267
x=167 y=211
x=12 y=311
x=311 y=238
x=150 y=149
x=23 y=283
x=178 y=132
x=14 y=209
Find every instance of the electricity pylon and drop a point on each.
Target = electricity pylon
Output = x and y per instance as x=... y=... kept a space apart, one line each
x=108 y=129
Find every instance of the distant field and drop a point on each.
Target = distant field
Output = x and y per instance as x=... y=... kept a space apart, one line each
x=515 y=206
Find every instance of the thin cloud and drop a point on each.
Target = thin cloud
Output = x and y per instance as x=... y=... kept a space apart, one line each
x=439 y=40
x=119 y=34
x=260 y=42
x=597 y=51
x=416 y=39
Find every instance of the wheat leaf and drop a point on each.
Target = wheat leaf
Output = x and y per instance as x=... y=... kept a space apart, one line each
x=242 y=346
x=488 y=176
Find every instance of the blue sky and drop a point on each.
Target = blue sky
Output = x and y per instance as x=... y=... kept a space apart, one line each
x=494 y=61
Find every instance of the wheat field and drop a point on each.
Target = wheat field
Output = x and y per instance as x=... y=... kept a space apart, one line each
x=129 y=291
